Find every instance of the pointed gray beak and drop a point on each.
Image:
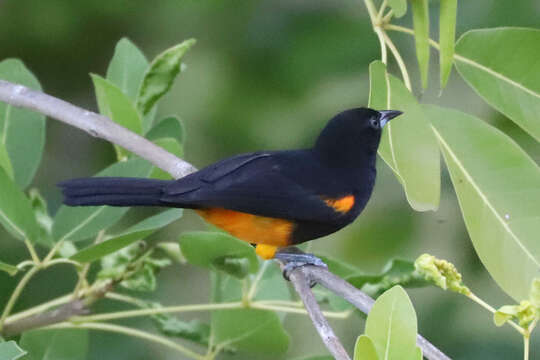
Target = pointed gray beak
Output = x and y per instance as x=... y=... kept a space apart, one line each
x=387 y=115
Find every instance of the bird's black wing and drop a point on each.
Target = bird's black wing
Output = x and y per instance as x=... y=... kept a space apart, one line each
x=260 y=183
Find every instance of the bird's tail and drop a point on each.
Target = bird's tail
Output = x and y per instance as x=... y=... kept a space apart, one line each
x=114 y=191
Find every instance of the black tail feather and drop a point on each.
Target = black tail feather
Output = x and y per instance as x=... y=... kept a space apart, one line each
x=114 y=191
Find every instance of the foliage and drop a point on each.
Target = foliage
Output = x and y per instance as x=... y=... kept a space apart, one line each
x=495 y=180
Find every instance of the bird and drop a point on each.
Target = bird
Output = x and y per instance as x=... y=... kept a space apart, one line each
x=271 y=199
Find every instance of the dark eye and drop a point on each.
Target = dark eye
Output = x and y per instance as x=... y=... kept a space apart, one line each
x=374 y=123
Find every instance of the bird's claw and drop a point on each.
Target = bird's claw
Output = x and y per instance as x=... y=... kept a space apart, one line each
x=296 y=259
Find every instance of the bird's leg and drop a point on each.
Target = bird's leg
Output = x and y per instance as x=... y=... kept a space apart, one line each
x=293 y=258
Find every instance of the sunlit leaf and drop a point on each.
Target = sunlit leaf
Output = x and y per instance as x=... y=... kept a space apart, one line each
x=127 y=67
x=391 y=325
x=364 y=349
x=407 y=144
x=502 y=66
x=22 y=132
x=399 y=7
x=16 y=213
x=127 y=237
x=497 y=187
x=62 y=344
x=83 y=222
x=10 y=351
x=219 y=251
x=447 y=34
x=420 y=10
x=117 y=106
x=160 y=76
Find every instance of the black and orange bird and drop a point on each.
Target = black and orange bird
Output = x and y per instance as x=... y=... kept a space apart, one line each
x=271 y=199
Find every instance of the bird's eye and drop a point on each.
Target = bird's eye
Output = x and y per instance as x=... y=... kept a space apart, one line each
x=374 y=123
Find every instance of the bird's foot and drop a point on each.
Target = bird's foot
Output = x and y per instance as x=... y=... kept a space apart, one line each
x=294 y=258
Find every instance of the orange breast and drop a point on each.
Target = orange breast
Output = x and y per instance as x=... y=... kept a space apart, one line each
x=251 y=228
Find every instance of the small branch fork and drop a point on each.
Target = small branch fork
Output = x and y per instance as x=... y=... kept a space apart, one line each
x=102 y=127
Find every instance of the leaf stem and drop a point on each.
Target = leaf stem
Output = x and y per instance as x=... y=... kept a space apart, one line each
x=399 y=60
x=131 y=332
x=491 y=309
x=253 y=289
x=381 y=11
x=53 y=251
x=526 y=347
x=16 y=293
x=32 y=251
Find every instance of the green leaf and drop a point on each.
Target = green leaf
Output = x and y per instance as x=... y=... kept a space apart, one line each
x=216 y=250
x=160 y=76
x=127 y=237
x=253 y=331
x=316 y=357
x=15 y=210
x=447 y=35
x=364 y=349
x=391 y=325
x=525 y=313
x=169 y=325
x=395 y=272
x=5 y=163
x=43 y=219
x=117 y=106
x=168 y=127
x=70 y=344
x=497 y=187
x=10 y=269
x=399 y=7
x=420 y=11
x=135 y=261
x=174 y=147
x=83 y=222
x=10 y=351
x=127 y=67
x=501 y=66
x=407 y=144
x=22 y=132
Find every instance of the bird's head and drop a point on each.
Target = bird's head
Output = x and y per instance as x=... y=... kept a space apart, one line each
x=353 y=133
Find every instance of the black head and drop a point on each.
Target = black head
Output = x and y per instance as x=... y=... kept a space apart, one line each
x=352 y=135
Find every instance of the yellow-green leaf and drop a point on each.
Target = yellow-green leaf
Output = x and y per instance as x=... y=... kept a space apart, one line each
x=160 y=75
x=502 y=67
x=421 y=35
x=398 y=6
x=497 y=185
x=364 y=349
x=447 y=34
x=408 y=145
x=117 y=106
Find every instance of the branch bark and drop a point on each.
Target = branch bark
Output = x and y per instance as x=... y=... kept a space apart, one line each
x=102 y=127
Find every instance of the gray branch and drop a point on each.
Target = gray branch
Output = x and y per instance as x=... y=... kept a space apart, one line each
x=102 y=127
x=94 y=124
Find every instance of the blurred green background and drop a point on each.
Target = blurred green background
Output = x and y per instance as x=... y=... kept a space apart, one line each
x=264 y=74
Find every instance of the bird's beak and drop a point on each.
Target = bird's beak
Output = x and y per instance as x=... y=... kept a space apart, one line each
x=387 y=115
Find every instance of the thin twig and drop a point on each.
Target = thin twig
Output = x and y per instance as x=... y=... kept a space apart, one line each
x=94 y=124
x=131 y=332
x=301 y=279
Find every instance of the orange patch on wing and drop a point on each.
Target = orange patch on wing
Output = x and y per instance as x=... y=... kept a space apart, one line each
x=251 y=228
x=341 y=205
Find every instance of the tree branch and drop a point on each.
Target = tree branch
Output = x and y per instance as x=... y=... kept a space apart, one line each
x=94 y=124
x=102 y=127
